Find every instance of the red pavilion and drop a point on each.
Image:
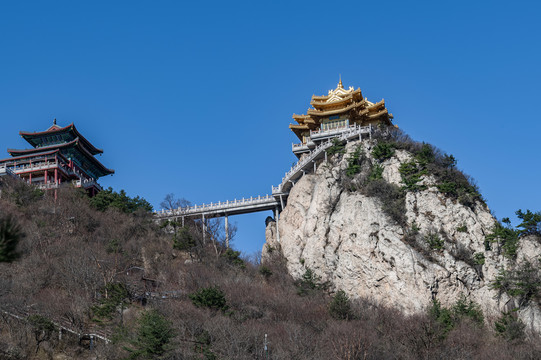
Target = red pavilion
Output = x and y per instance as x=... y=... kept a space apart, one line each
x=60 y=155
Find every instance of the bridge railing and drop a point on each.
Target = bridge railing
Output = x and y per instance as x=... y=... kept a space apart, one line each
x=217 y=206
x=344 y=134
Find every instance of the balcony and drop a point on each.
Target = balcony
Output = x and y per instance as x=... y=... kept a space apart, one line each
x=300 y=148
x=318 y=135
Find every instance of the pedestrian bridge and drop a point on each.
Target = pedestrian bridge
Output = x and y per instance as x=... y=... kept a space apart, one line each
x=276 y=201
x=224 y=208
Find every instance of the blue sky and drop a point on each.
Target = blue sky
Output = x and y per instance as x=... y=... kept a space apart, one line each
x=195 y=98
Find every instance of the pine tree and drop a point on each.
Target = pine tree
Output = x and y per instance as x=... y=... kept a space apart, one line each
x=10 y=234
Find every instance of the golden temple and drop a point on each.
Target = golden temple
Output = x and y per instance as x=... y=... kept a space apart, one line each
x=341 y=108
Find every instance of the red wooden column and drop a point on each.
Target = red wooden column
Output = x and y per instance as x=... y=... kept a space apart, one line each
x=30 y=178
x=46 y=173
x=56 y=170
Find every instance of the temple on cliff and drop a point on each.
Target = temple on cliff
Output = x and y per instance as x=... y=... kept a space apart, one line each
x=341 y=110
x=60 y=155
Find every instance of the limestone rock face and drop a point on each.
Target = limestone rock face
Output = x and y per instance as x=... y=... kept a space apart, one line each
x=347 y=239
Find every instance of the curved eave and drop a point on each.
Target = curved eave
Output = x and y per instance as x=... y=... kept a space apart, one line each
x=298 y=129
x=378 y=114
x=354 y=95
x=17 y=152
x=301 y=119
x=71 y=127
x=314 y=112
x=377 y=106
x=22 y=157
x=93 y=160
x=322 y=98
x=74 y=143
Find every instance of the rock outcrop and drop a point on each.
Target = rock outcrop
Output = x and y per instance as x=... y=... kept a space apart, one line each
x=347 y=239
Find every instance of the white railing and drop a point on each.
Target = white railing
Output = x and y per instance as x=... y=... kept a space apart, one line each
x=295 y=147
x=7 y=171
x=51 y=185
x=340 y=130
x=344 y=134
x=221 y=205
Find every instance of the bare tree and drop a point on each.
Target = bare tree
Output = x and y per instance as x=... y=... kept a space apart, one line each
x=170 y=202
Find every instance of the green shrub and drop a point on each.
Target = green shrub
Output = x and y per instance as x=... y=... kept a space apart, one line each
x=154 y=334
x=211 y=297
x=448 y=188
x=183 y=239
x=233 y=257
x=24 y=194
x=265 y=271
x=523 y=283
x=462 y=228
x=354 y=162
x=531 y=223
x=442 y=315
x=392 y=197
x=466 y=308
x=479 y=258
x=10 y=234
x=202 y=345
x=434 y=241
x=449 y=318
x=426 y=155
x=337 y=147
x=41 y=323
x=108 y=198
x=114 y=295
x=308 y=283
x=411 y=175
x=340 y=306
x=429 y=160
x=376 y=173
x=383 y=151
x=510 y=327
x=448 y=161
x=506 y=238
x=43 y=329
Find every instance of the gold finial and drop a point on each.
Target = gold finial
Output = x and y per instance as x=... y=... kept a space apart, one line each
x=340 y=81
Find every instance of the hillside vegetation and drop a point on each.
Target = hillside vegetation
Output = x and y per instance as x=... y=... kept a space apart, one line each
x=103 y=266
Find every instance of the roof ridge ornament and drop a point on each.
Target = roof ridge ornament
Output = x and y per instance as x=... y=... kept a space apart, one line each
x=54 y=121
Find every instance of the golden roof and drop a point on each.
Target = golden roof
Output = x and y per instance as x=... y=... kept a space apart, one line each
x=341 y=101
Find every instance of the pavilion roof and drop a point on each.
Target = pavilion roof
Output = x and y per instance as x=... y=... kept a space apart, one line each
x=74 y=149
x=58 y=135
x=44 y=153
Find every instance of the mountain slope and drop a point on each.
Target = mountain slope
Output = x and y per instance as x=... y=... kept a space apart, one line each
x=394 y=221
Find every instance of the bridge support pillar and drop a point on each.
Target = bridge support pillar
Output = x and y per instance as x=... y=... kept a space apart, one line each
x=226 y=231
x=325 y=156
x=276 y=217
x=183 y=221
x=203 y=227
x=314 y=166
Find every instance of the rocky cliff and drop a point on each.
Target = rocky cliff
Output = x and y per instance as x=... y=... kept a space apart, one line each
x=393 y=229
